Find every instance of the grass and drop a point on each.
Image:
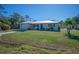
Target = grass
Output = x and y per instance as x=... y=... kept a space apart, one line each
x=39 y=42
x=75 y=32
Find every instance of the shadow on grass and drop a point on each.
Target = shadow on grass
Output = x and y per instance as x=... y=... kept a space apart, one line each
x=46 y=30
x=74 y=37
x=18 y=30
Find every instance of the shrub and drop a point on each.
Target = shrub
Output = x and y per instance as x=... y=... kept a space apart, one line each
x=4 y=26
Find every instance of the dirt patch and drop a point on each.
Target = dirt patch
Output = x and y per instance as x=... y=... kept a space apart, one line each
x=44 y=46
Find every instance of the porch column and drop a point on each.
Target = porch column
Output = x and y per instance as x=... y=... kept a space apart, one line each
x=39 y=26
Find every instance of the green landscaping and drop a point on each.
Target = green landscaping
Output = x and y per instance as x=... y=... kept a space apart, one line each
x=39 y=42
x=75 y=32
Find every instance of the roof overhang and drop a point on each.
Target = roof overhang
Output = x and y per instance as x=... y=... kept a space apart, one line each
x=41 y=22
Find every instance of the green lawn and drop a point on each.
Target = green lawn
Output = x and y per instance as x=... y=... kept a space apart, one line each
x=75 y=32
x=39 y=42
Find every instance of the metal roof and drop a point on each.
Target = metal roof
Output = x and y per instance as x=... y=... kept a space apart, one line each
x=41 y=22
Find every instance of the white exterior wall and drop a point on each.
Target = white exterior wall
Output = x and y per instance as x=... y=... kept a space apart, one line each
x=55 y=28
x=24 y=26
x=45 y=26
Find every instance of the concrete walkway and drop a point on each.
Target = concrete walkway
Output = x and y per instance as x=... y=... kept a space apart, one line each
x=2 y=33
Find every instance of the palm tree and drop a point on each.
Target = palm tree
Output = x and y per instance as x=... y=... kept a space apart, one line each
x=69 y=22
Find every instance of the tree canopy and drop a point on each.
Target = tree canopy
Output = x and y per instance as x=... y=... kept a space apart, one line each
x=70 y=21
x=76 y=19
x=15 y=19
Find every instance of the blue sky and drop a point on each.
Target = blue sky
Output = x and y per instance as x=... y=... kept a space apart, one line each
x=44 y=11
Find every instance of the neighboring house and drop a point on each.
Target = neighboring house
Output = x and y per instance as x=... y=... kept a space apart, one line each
x=40 y=25
x=73 y=27
x=76 y=27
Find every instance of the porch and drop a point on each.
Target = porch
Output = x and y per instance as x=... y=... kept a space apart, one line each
x=51 y=27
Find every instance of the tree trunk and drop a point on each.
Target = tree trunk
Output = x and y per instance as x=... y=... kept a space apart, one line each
x=68 y=31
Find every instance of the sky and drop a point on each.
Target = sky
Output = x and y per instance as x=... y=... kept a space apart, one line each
x=56 y=12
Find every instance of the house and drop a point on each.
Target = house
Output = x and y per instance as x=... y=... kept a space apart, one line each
x=73 y=27
x=76 y=27
x=40 y=25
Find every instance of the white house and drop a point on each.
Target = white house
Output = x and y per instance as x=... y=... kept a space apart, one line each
x=40 y=25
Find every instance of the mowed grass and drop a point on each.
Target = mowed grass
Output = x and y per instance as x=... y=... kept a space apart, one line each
x=39 y=42
x=75 y=32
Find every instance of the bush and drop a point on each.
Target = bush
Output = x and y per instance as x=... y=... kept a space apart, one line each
x=4 y=26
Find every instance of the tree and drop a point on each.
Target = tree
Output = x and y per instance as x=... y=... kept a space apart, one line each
x=27 y=18
x=1 y=9
x=4 y=23
x=76 y=19
x=69 y=22
x=15 y=19
x=4 y=19
x=61 y=24
x=4 y=26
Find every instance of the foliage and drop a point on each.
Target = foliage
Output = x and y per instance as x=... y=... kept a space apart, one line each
x=4 y=26
x=4 y=23
x=5 y=20
x=27 y=17
x=70 y=21
x=76 y=19
x=62 y=24
x=15 y=19
x=1 y=9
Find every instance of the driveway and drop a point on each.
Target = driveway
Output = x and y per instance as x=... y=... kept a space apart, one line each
x=2 y=33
